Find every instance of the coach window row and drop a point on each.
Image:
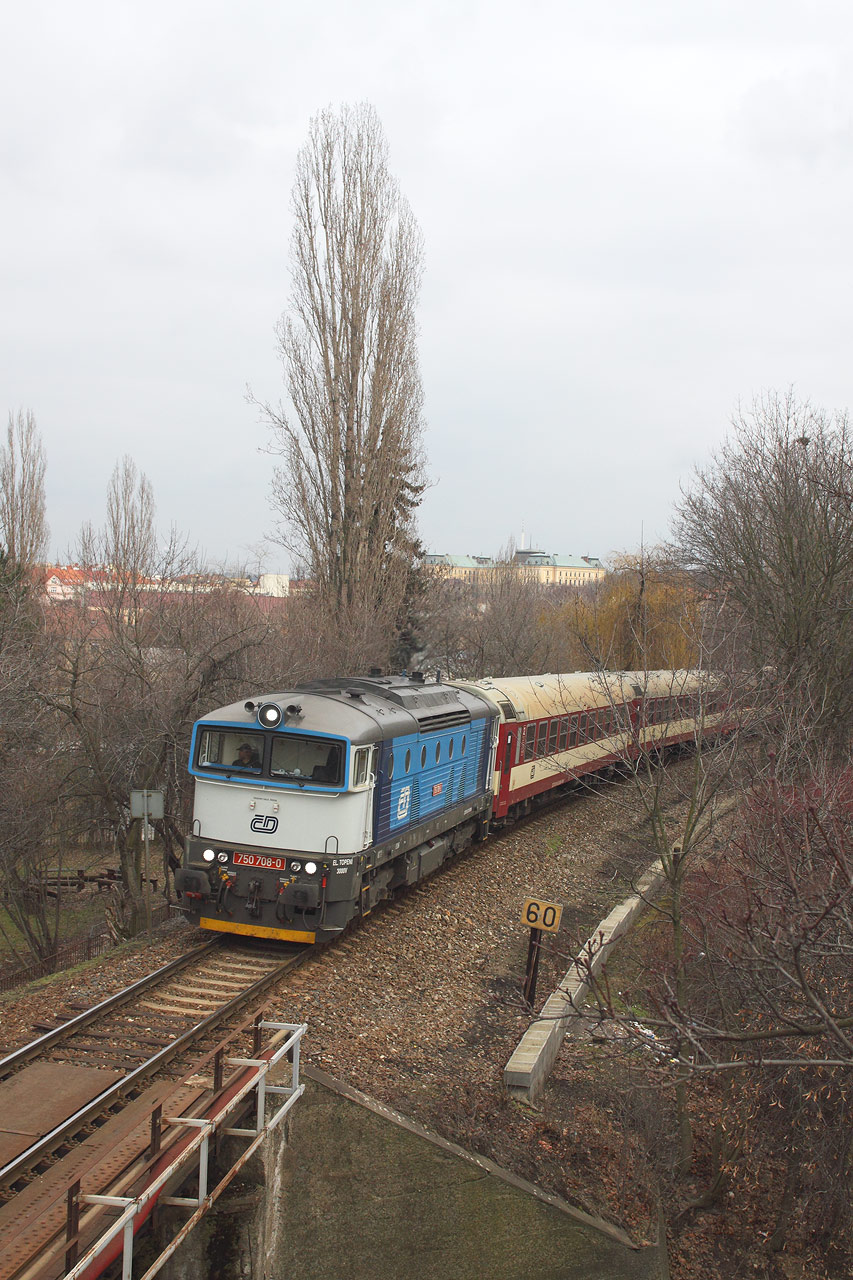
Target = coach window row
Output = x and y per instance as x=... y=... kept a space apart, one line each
x=550 y=737
x=665 y=710
x=545 y=738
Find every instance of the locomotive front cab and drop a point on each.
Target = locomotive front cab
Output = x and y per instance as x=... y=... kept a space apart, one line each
x=280 y=817
x=308 y=812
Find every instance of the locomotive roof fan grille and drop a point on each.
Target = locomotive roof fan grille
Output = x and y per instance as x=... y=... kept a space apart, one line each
x=447 y=720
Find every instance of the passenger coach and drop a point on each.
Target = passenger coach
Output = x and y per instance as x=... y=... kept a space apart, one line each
x=555 y=729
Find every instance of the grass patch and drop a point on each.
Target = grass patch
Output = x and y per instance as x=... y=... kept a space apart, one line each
x=78 y=915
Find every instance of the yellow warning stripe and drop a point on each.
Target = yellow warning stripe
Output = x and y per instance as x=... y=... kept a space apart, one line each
x=257 y=930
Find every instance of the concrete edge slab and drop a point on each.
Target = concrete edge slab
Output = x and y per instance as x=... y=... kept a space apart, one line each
x=598 y=1225
x=530 y=1063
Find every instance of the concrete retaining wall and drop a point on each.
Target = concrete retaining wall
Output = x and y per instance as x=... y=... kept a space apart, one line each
x=530 y=1065
x=356 y=1190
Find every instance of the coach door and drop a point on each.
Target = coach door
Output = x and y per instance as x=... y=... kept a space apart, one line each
x=506 y=751
x=509 y=748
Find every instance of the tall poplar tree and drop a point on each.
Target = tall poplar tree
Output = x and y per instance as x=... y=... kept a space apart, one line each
x=351 y=472
x=23 y=524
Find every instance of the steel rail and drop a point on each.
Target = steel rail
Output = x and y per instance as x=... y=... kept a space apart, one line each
x=36 y=1047
x=49 y=1141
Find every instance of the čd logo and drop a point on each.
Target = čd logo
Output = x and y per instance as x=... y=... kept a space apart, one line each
x=264 y=822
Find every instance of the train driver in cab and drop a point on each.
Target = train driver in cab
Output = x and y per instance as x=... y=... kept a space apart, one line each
x=247 y=757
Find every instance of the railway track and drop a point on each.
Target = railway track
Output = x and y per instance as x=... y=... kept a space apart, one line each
x=155 y=1027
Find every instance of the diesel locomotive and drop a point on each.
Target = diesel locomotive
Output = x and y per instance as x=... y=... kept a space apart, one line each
x=313 y=805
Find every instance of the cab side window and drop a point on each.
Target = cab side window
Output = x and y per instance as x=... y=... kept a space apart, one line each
x=360 y=771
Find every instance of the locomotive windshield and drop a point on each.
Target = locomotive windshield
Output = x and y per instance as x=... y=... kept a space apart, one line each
x=289 y=757
x=230 y=749
x=317 y=759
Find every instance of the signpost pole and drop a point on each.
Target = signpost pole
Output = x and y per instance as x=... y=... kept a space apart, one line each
x=147 y=866
x=147 y=805
x=532 y=966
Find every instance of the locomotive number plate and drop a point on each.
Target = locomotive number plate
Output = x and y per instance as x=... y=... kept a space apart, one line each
x=260 y=860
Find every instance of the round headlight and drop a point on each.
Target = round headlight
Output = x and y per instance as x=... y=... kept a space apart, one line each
x=269 y=715
x=296 y=866
x=310 y=867
x=223 y=857
x=209 y=855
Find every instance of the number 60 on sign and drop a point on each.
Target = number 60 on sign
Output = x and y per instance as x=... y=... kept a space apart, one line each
x=541 y=915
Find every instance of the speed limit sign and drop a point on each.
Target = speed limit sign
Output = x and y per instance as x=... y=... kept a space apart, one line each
x=541 y=915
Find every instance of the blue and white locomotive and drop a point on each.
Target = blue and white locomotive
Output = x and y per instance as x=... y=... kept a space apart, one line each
x=313 y=805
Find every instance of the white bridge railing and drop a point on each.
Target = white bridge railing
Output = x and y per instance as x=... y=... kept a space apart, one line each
x=135 y=1209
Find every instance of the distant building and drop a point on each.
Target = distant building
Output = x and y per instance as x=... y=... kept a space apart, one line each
x=535 y=566
x=463 y=568
x=272 y=584
x=559 y=570
x=71 y=581
x=64 y=581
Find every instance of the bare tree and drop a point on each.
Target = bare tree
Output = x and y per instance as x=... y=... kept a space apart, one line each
x=98 y=696
x=772 y=920
x=446 y=623
x=762 y=1029
x=30 y=768
x=351 y=474
x=30 y=867
x=650 y=614
x=682 y=808
x=770 y=526
x=31 y=776
x=130 y=537
x=646 y=614
x=23 y=522
x=742 y=970
x=151 y=643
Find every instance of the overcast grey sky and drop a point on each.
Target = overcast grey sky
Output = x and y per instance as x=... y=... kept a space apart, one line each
x=634 y=215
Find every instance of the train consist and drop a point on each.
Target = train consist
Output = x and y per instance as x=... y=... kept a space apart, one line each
x=313 y=805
